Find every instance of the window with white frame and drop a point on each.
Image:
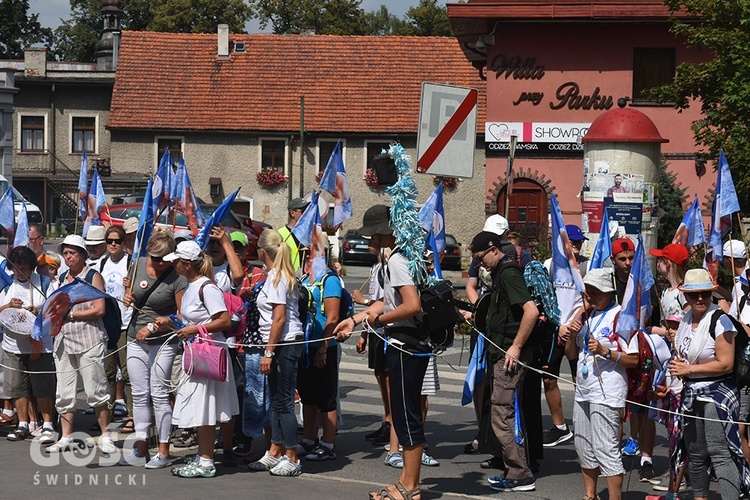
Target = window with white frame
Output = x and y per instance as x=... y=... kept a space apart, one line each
x=32 y=133
x=84 y=134
x=273 y=154
x=325 y=150
x=173 y=144
x=374 y=149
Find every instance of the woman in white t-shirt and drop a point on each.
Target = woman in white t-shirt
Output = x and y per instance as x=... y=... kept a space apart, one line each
x=200 y=402
x=705 y=359
x=281 y=331
x=602 y=385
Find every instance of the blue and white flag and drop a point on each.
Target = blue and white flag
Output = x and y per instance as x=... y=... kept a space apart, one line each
x=566 y=276
x=8 y=215
x=334 y=181
x=83 y=185
x=95 y=200
x=51 y=318
x=22 y=229
x=145 y=222
x=162 y=187
x=691 y=231
x=185 y=200
x=603 y=248
x=636 y=303
x=430 y=243
x=215 y=219
x=309 y=232
x=729 y=204
x=432 y=216
x=476 y=371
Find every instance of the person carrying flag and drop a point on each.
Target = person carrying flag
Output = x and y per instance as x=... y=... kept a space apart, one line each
x=510 y=321
x=296 y=208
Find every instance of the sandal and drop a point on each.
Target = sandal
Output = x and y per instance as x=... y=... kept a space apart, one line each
x=385 y=494
x=8 y=420
x=128 y=427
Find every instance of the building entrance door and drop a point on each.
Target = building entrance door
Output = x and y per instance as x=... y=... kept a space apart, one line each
x=528 y=204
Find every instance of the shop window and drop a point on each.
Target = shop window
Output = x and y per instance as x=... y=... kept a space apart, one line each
x=84 y=134
x=32 y=133
x=273 y=155
x=651 y=68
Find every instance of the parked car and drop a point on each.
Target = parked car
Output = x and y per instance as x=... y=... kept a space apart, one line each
x=32 y=211
x=452 y=255
x=356 y=248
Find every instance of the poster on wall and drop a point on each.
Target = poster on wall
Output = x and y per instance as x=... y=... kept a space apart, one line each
x=627 y=215
x=627 y=199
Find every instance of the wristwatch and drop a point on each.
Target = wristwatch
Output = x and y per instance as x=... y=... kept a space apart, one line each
x=609 y=354
x=377 y=322
x=269 y=354
x=151 y=327
x=368 y=302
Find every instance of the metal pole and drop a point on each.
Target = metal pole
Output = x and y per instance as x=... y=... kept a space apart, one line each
x=509 y=172
x=301 y=146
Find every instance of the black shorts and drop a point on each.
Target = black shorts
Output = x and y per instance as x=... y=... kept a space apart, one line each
x=405 y=375
x=376 y=353
x=319 y=386
x=553 y=367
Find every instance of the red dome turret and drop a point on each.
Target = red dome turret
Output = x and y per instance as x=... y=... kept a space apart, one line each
x=623 y=125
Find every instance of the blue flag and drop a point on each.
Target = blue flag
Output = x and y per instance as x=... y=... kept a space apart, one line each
x=96 y=200
x=162 y=189
x=83 y=185
x=603 y=248
x=22 y=230
x=432 y=217
x=691 y=231
x=5 y=280
x=475 y=372
x=304 y=227
x=184 y=198
x=565 y=276
x=215 y=219
x=729 y=203
x=309 y=231
x=636 y=303
x=334 y=181
x=438 y=272
x=57 y=306
x=8 y=215
x=145 y=222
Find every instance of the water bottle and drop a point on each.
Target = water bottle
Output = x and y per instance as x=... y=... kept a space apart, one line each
x=236 y=318
x=177 y=322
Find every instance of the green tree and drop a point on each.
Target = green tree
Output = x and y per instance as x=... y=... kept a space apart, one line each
x=330 y=17
x=670 y=205
x=199 y=16
x=18 y=29
x=720 y=85
x=75 y=39
x=426 y=19
x=381 y=22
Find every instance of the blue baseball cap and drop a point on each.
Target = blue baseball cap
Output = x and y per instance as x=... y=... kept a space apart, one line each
x=574 y=233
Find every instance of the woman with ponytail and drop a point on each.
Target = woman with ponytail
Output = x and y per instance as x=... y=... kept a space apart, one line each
x=281 y=330
x=200 y=402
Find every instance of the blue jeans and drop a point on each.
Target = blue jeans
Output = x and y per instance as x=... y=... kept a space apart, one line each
x=282 y=382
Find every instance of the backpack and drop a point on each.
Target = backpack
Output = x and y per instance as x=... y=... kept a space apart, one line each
x=346 y=306
x=252 y=335
x=112 y=317
x=741 y=370
x=641 y=377
x=106 y=258
x=234 y=304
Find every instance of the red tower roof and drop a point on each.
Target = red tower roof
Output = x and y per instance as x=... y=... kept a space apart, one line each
x=623 y=125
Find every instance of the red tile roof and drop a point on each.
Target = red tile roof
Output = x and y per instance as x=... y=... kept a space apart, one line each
x=353 y=84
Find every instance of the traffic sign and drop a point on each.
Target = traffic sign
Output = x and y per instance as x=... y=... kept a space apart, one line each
x=447 y=136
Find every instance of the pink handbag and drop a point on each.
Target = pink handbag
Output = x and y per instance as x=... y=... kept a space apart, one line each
x=204 y=359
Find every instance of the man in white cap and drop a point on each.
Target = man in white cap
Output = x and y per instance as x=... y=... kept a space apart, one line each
x=131 y=228
x=734 y=261
x=96 y=245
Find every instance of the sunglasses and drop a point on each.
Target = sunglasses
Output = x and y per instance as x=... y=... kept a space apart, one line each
x=115 y=241
x=156 y=259
x=706 y=294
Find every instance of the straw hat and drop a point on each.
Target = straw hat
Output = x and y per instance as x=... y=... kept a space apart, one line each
x=698 y=280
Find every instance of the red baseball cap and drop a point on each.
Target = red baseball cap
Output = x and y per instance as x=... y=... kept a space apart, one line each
x=622 y=245
x=673 y=252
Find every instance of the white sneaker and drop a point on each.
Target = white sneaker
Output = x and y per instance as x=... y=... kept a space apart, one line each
x=134 y=459
x=266 y=463
x=395 y=459
x=287 y=468
x=60 y=446
x=107 y=446
x=159 y=461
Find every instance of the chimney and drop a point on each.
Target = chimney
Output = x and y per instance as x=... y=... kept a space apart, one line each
x=223 y=41
x=35 y=61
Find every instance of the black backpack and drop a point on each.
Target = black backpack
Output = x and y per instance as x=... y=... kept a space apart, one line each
x=112 y=317
x=741 y=370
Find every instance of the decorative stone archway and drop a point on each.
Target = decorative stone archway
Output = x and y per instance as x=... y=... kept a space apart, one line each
x=491 y=204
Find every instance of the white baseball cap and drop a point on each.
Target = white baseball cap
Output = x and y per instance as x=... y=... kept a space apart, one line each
x=186 y=250
x=736 y=249
x=496 y=224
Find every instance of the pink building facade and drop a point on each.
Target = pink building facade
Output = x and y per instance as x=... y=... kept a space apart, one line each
x=552 y=68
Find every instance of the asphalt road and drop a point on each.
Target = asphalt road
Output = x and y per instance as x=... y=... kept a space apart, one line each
x=357 y=469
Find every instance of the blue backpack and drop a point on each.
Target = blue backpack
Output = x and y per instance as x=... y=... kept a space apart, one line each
x=112 y=317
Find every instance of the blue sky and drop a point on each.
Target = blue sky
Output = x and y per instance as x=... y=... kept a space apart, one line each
x=51 y=11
